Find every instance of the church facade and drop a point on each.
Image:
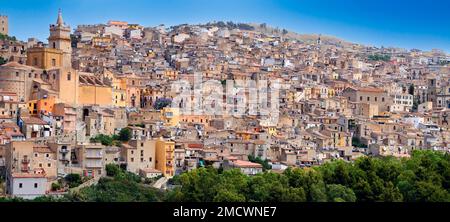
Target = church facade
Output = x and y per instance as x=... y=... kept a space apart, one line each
x=48 y=73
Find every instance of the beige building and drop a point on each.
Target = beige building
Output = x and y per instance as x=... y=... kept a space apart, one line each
x=18 y=78
x=91 y=158
x=26 y=159
x=369 y=95
x=139 y=154
x=4 y=24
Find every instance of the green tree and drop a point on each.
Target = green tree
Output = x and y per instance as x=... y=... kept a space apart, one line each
x=161 y=103
x=125 y=135
x=267 y=187
x=112 y=170
x=199 y=185
x=339 y=193
x=293 y=194
x=103 y=139
x=265 y=163
x=224 y=195
x=73 y=179
x=411 y=89
x=3 y=61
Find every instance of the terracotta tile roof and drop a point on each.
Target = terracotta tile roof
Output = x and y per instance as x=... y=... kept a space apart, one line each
x=27 y=175
x=42 y=149
x=243 y=163
x=33 y=120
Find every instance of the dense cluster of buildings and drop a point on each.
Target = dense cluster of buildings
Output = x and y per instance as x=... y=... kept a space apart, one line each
x=336 y=101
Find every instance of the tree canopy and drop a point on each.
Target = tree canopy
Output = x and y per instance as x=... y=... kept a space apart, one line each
x=425 y=177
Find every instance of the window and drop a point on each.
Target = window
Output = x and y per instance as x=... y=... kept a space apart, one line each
x=54 y=45
x=132 y=159
x=69 y=77
x=20 y=185
x=29 y=75
x=142 y=144
x=382 y=99
x=17 y=74
x=368 y=99
x=35 y=155
x=53 y=63
x=35 y=185
x=49 y=165
x=150 y=159
x=360 y=98
x=40 y=164
x=376 y=99
x=132 y=152
x=35 y=62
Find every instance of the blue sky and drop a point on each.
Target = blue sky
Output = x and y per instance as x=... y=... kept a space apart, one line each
x=401 y=23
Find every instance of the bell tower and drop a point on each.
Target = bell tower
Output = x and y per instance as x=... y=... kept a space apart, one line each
x=60 y=39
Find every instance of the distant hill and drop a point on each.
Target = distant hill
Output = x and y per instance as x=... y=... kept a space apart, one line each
x=307 y=38
x=268 y=30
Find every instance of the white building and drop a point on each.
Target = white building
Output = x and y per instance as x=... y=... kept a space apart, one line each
x=402 y=102
x=27 y=185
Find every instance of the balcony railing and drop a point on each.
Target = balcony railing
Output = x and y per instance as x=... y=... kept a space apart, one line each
x=94 y=155
x=94 y=165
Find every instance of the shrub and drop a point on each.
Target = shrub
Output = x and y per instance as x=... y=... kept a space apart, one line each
x=73 y=180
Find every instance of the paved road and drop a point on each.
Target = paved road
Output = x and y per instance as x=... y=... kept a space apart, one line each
x=160 y=182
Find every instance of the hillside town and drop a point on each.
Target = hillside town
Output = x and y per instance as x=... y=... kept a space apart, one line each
x=134 y=96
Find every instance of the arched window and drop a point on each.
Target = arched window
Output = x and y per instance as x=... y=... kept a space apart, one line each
x=54 y=45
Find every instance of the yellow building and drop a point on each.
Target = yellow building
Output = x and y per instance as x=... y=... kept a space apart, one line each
x=171 y=74
x=119 y=86
x=44 y=58
x=271 y=130
x=50 y=74
x=170 y=116
x=32 y=107
x=165 y=157
x=59 y=52
x=94 y=91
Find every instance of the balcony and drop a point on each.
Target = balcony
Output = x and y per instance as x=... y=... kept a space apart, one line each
x=25 y=161
x=94 y=165
x=94 y=155
x=64 y=158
